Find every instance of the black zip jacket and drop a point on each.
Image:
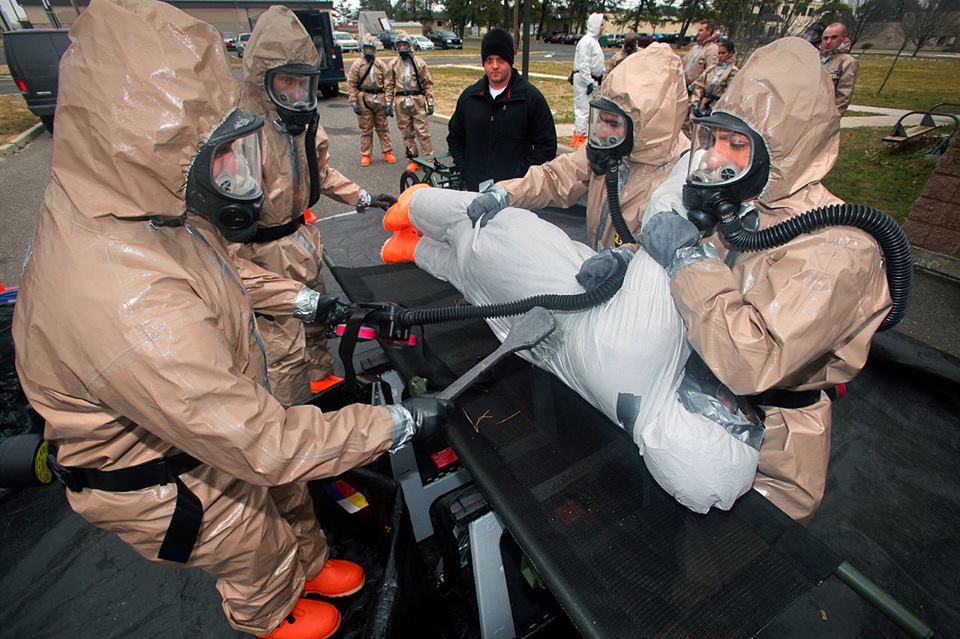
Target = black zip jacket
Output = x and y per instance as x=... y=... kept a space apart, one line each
x=500 y=139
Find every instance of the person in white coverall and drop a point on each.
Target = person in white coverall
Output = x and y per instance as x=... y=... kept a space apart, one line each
x=587 y=75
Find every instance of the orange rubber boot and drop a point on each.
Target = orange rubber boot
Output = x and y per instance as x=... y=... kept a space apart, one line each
x=413 y=166
x=401 y=246
x=338 y=578
x=320 y=385
x=365 y=160
x=398 y=215
x=389 y=158
x=577 y=141
x=308 y=620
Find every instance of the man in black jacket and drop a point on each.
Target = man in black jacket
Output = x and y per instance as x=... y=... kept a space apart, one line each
x=503 y=124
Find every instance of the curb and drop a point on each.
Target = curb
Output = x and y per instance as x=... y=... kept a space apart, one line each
x=942 y=265
x=21 y=140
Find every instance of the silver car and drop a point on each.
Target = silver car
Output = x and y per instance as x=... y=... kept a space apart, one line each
x=346 y=41
x=422 y=43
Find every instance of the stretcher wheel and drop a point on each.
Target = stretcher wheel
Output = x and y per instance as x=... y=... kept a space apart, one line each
x=408 y=179
x=23 y=461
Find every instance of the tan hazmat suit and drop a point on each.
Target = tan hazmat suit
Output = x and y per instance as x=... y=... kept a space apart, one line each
x=842 y=69
x=135 y=339
x=657 y=113
x=799 y=316
x=712 y=85
x=700 y=59
x=413 y=89
x=370 y=85
x=296 y=353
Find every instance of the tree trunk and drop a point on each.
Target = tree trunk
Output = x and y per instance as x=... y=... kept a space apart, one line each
x=544 y=8
x=892 y=64
x=920 y=44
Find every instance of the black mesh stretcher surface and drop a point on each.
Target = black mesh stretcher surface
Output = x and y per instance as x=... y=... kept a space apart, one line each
x=622 y=558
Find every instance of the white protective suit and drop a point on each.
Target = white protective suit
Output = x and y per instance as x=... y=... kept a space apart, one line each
x=633 y=346
x=587 y=64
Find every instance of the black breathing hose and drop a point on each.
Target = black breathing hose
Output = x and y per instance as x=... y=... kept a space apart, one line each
x=611 y=178
x=884 y=229
x=575 y=302
x=310 y=142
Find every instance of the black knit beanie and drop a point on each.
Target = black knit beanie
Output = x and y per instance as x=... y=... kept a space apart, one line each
x=497 y=42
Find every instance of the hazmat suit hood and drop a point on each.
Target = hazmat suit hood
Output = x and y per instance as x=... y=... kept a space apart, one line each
x=278 y=38
x=594 y=22
x=129 y=123
x=784 y=95
x=658 y=110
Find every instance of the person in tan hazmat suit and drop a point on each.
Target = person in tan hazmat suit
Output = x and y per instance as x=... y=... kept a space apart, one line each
x=370 y=91
x=281 y=66
x=413 y=98
x=156 y=397
x=781 y=324
x=656 y=114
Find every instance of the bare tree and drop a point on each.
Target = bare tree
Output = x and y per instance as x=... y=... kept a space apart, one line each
x=930 y=21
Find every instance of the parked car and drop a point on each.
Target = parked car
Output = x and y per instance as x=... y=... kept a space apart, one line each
x=346 y=41
x=388 y=39
x=572 y=38
x=615 y=40
x=446 y=40
x=422 y=43
x=33 y=56
x=242 y=41
x=318 y=25
x=230 y=41
x=644 y=41
x=671 y=38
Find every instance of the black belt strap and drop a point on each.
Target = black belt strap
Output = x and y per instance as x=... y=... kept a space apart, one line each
x=365 y=90
x=403 y=93
x=184 y=526
x=786 y=398
x=273 y=233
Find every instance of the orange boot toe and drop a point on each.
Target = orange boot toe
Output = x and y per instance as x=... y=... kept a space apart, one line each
x=338 y=578
x=389 y=158
x=308 y=620
x=398 y=215
x=402 y=246
x=365 y=160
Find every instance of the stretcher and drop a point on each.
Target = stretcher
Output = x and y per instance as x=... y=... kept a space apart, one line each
x=619 y=556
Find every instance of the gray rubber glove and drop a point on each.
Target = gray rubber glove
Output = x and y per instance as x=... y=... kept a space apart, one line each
x=429 y=108
x=389 y=110
x=665 y=233
x=491 y=201
x=601 y=266
x=429 y=414
x=356 y=108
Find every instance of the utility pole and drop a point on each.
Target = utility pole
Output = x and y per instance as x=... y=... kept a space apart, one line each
x=526 y=36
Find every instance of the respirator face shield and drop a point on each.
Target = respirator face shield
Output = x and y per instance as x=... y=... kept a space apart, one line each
x=223 y=184
x=609 y=135
x=718 y=156
x=369 y=51
x=293 y=90
x=403 y=47
x=728 y=165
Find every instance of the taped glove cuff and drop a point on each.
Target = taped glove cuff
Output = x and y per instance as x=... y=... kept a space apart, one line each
x=403 y=426
x=687 y=255
x=364 y=200
x=305 y=306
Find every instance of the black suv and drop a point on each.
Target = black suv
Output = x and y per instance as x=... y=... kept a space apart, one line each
x=388 y=39
x=446 y=40
x=33 y=56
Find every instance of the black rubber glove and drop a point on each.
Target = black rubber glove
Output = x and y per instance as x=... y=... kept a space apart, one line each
x=382 y=201
x=389 y=110
x=665 y=233
x=429 y=108
x=589 y=89
x=356 y=108
x=485 y=206
x=601 y=266
x=429 y=414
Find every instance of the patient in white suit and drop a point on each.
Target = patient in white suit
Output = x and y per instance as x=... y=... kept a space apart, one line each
x=625 y=356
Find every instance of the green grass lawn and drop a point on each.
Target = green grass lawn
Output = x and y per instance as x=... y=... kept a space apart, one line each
x=877 y=174
x=915 y=84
